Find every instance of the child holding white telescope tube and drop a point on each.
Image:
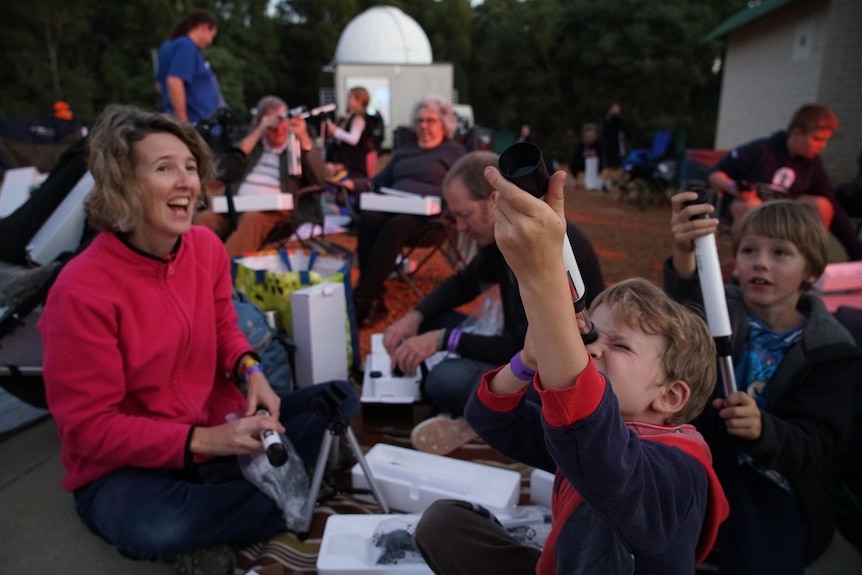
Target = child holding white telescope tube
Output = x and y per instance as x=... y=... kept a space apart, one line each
x=795 y=365
x=634 y=490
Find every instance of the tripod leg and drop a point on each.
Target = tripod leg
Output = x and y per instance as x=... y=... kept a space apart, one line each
x=314 y=491
x=354 y=444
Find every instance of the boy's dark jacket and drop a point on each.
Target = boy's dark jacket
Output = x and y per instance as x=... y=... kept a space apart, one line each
x=809 y=412
x=628 y=497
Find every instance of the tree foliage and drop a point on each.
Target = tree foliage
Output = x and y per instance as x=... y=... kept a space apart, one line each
x=555 y=64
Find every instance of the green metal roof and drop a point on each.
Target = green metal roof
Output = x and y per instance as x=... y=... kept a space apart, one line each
x=755 y=10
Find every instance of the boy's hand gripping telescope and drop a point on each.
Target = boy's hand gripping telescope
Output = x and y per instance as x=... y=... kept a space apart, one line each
x=712 y=289
x=523 y=165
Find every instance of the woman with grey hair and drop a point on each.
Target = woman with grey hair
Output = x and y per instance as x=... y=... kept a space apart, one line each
x=418 y=167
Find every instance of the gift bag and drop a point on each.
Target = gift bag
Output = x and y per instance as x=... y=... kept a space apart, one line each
x=268 y=279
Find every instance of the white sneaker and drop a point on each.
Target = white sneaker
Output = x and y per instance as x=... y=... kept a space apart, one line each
x=442 y=434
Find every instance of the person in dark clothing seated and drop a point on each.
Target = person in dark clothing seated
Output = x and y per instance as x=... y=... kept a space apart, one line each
x=789 y=161
x=588 y=148
x=614 y=137
x=434 y=325
x=417 y=168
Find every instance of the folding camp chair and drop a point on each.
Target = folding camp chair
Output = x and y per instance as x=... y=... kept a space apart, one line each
x=438 y=235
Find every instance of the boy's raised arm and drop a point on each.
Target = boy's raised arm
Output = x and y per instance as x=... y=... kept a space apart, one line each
x=530 y=232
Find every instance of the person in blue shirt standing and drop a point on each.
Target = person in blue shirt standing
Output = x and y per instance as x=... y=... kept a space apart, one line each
x=187 y=84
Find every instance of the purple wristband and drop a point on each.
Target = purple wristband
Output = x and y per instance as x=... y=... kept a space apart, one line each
x=454 y=338
x=252 y=369
x=519 y=370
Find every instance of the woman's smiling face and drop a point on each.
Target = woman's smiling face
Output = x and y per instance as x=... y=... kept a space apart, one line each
x=167 y=173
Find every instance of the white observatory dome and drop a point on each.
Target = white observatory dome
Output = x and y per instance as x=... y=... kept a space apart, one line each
x=383 y=35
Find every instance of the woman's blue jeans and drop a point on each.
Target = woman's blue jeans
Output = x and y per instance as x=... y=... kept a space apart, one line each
x=154 y=514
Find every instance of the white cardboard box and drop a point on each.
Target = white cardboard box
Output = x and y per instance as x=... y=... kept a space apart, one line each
x=378 y=383
x=320 y=333
x=348 y=547
x=254 y=203
x=541 y=487
x=420 y=205
x=62 y=232
x=411 y=480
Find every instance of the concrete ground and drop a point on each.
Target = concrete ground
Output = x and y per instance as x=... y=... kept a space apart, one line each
x=40 y=532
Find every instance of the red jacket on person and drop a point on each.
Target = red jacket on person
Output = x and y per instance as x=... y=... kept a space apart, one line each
x=137 y=349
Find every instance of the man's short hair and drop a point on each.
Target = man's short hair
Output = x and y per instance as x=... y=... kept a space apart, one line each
x=191 y=21
x=792 y=221
x=116 y=201
x=812 y=117
x=470 y=169
x=689 y=352
x=264 y=105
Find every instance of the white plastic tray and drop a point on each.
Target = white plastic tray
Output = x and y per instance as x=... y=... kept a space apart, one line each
x=348 y=547
x=378 y=383
x=411 y=480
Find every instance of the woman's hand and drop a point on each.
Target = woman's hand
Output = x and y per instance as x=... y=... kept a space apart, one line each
x=261 y=394
x=240 y=436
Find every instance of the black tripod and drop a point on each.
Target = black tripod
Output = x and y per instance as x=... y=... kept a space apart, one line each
x=329 y=404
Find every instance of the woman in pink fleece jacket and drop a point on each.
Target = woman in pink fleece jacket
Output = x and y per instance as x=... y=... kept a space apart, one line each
x=142 y=355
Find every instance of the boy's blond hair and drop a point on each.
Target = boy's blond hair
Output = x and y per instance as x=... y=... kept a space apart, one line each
x=793 y=221
x=689 y=352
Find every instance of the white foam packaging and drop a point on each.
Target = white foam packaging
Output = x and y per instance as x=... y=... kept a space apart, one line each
x=254 y=203
x=378 y=383
x=401 y=204
x=411 y=480
x=541 y=487
x=348 y=547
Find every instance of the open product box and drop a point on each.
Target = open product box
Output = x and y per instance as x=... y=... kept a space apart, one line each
x=352 y=544
x=379 y=385
x=411 y=480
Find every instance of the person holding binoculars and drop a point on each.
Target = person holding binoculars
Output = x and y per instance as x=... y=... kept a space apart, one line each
x=281 y=158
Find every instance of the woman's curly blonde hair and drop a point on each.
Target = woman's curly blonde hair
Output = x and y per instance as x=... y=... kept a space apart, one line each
x=115 y=202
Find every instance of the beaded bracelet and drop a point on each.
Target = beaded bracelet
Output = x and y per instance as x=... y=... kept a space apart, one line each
x=519 y=370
